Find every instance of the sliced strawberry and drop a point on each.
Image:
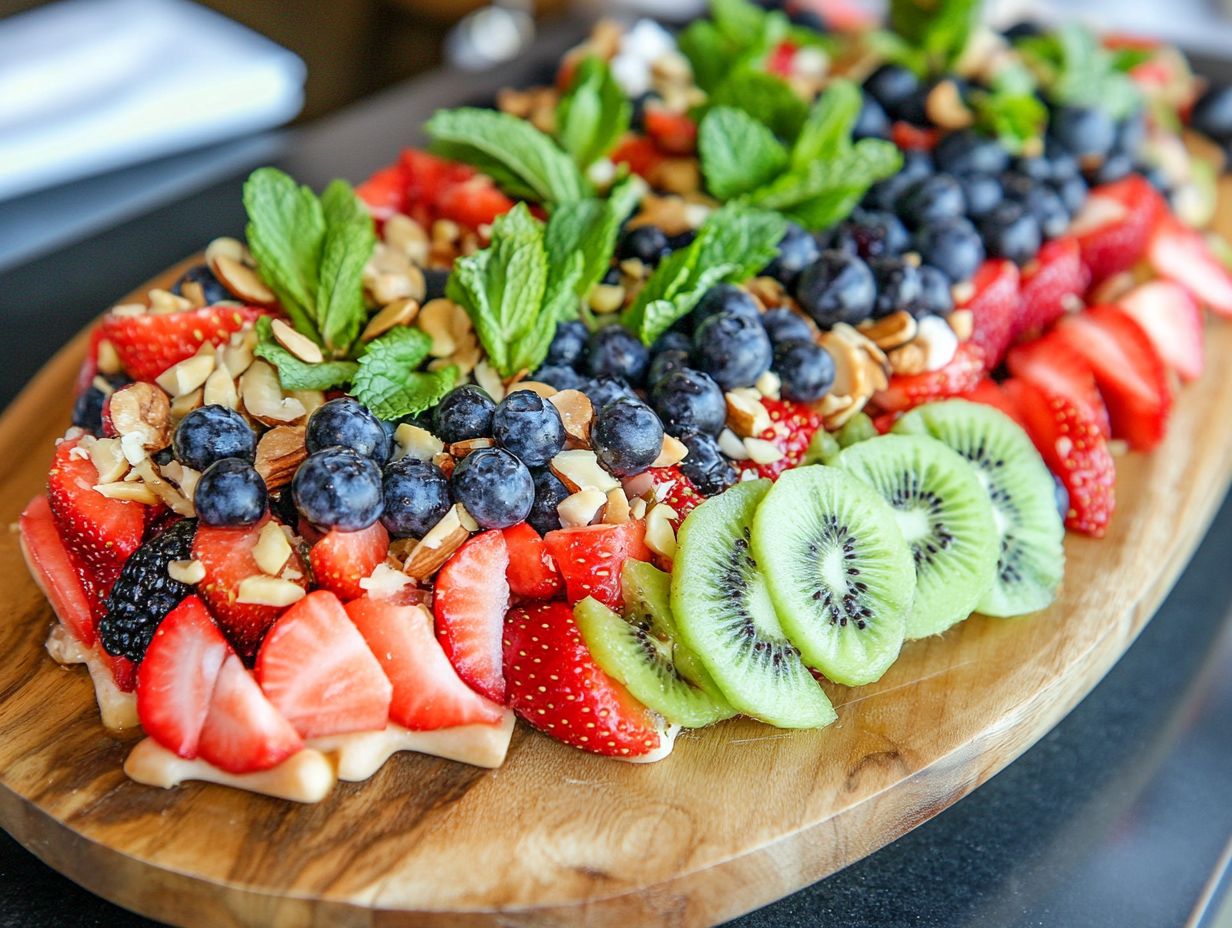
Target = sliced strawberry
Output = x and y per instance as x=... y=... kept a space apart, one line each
x=792 y=426
x=639 y=153
x=988 y=393
x=470 y=601
x=1057 y=369
x=1173 y=322
x=591 y=558
x=1131 y=376
x=962 y=375
x=99 y=532
x=1181 y=254
x=385 y=192
x=226 y=555
x=149 y=343
x=1114 y=225
x=781 y=58
x=341 y=559
x=427 y=691
x=473 y=203
x=913 y=138
x=317 y=670
x=555 y=686
x=177 y=677
x=51 y=568
x=994 y=308
x=123 y=671
x=243 y=732
x=532 y=573
x=1075 y=451
x=89 y=364
x=1051 y=283
x=677 y=491
x=673 y=133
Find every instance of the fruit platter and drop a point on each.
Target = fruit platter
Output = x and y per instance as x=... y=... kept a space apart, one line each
x=665 y=487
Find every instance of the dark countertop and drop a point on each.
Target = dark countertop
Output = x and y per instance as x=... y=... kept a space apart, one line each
x=1119 y=817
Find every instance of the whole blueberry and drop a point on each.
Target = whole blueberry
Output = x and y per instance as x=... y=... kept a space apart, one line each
x=614 y=351
x=494 y=486
x=212 y=291
x=912 y=108
x=665 y=362
x=416 y=495
x=671 y=340
x=1009 y=231
x=646 y=243
x=568 y=344
x=1086 y=131
x=837 y=288
x=549 y=493
x=681 y=239
x=933 y=199
x=705 y=464
x=936 y=298
x=1017 y=185
x=687 y=400
x=559 y=376
x=348 y=423
x=970 y=152
x=805 y=369
x=725 y=298
x=1046 y=205
x=898 y=286
x=1212 y=113
x=890 y=84
x=435 y=281
x=1130 y=133
x=627 y=437
x=1073 y=192
x=604 y=390
x=733 y=349
x=808 y=19
x=465 y=412
x=212 y=433
x=230 y=493
x=953 y=247
x=982 y=192
x=872 y=121
x=1112 y=168
x=886 y=194
x=783 y=324
x=529 y=426
x=1023 y=29
x=874 y=234
x=1062 y=162
x=797 y=250
x=338 y=488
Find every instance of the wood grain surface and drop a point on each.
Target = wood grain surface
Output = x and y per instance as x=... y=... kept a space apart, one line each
x=739 y=815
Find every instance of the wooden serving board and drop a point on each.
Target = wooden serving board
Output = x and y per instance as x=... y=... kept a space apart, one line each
x=741 y=814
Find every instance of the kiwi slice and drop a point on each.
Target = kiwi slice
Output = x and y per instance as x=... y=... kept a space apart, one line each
x=856 y=429
x=643 y=662
x=825 y=446
x=838 y=571
x=822 y=448
x=1031 y=556
x=945 y=517
x=725 y=616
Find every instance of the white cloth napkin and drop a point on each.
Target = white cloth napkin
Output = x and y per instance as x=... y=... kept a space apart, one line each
x=91 y=85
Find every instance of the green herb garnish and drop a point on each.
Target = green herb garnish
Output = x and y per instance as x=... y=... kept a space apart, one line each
x=593 y=113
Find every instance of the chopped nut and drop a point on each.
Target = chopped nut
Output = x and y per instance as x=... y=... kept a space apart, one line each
x=128 y=309
x=762 y=451
x=851 y=367
x=142 y=409
x=660 y=537
x=399 y=312
x=272 y=550
x=962 y=321
x=261 y=590
x=581 y=507
x=175 y=500
x=132 y=492
x=407 y=236
x=264 y=399
x=436 y=547
x=193 y=292
x=732 y=445
x=491 y=381
x=616 y=510
x=279 y=453
x=108 y=459
x=890 y=331
x=237 y=355
x=606 y=298
x=188 y=375
x=545 y=390
x=220 y=390
x=676 y=175
x=297 y=343
x=384 y=582
x=164 y=301
x=909 y=359
x=190 y=572
x=225 y=247
x=242 y=281
x=460 y=449
x=310 y=399
x=768 y=385
x=840 y=418
x=576 y=414
x=962 y=293
x=637 y=509
x=183 y=405
x=183 y=477
x=446 y=462
x=671 y=453
x=579 y=469
x=434 y=319
x=417 y=443
x=768 y=291
x=746 y=416
x=467 y=520
x=945 y=107
x=108 y=358
x=833 y=403
x=938 y=341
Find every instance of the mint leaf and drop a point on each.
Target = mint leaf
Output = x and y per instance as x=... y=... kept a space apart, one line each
x=708 y=52
x=349 y=242
x=765 y=97
x=1011 y=111
x=295 y=374
x=738 y=19
x=387 y=381
x=939 y=28
x=520 y=158
x=286 y=226
x=741 y=236
x=738 y=153
x=589 y=227
x=1078 y=71
x=827 y=130
x=593 y=113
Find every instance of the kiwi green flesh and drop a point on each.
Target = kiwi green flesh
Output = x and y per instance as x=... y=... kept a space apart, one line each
x=725 y=616
x=822 y=448
x=1031 y=553
x=838 y=571
x=946 y=519
x=643 y=663
x=856 y=429
x=647 y=595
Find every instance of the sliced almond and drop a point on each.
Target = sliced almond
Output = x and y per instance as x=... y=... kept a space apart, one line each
x=262 y=590
x=183 y=477
x=891 y=331
x=407 y=236
x=762 y=451
x=188 y=375
x=417 y=443
x=242 y=281
x=272 y=550
x=142 y=409
x=962 y=321
x=167 y=493
x=384 y=582
x=467 y=520
x=108 y=358
x=128 y=309
x=434 y=319
x=909 y=359
x=580 y=508
x=576 y=414
x=280 y=452
x=446 y=462
x=236 y=355
x=460 y=449
x=164 y=301
x=840 y=418
x=746 y=416
x=399 y=312
x=671 y=453
x=297 y=343
x=833 y=403
x=183 y=405
x=732 y=445
x=616 y=510
x=219 y=390
x=606 y=298
x=131 y=492
x=108 y=459
x=545 y=390
x=660 y=536
x=264 y=399
x=486 y=376
x=225 y=247
x=768 y=385
x=637 y=508
x=437 y=546
x=579 y=469
x=190 y=572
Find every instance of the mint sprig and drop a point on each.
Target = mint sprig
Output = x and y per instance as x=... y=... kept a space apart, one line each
x=738 y=153
x=295 y=374
x=1011 y=111
x=737 y=36
x=1077 y=70
x=766 y=97
x=593 y=113
x=387 y=380
x=937 y=29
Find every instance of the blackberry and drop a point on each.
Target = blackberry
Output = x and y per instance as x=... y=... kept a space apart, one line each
x=144 y=593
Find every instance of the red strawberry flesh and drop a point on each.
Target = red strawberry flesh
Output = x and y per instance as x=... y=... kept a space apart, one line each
x=243 y=732
x=592 y=557
x=470 y=602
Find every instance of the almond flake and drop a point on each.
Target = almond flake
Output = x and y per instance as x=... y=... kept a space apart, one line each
x=616 y=510
x=460 y=449
x=175 y=500
x=762 y=451
x=297 y=343
x=660 y=536
x=732 y=446
x=580 y=470
x=183 y=405
x=164 y=301
x=491 y=381
x=108 y=459
x=108 y=358
x=434 y=319
x=272 y=549
x=416 y=443
x=264 y=399
x=606 y=298
x=279 y=453
x=576 y=415
x=891 y=331
x=384 y=582
x=962 y=321
x=219 y=390
x=190 y=572
x=580 y=508
x=261 y=590
x=437 y=546
x=544 y=390
x=188 y=375
x=671 y=453
x=399 y=312
x=938 y=340
x=637 y=509
x=746 y=417
x=236 y=355
x=132 y=492
x=242 y=281
x=225 y=246
x=768 y=385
